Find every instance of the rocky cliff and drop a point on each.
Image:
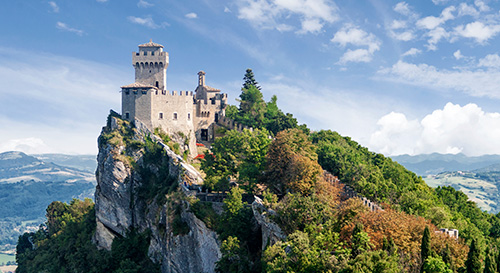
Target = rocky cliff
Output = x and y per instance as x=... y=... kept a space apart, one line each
x=179 y=241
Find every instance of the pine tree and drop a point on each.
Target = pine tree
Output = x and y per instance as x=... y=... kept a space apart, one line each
x=425 y=248
x=250 y=80
x=473 y=263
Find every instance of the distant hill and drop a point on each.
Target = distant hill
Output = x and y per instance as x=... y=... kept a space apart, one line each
x=81 y=162
x=430 y=164
x=28 y=184
x=478 y=177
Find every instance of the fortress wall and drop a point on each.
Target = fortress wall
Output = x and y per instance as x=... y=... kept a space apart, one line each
x=137 y=102
x=232 y=125
x=173 y=112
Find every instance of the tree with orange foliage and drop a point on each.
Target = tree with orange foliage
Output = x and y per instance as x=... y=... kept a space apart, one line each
x=292 y=163
x=406 y=231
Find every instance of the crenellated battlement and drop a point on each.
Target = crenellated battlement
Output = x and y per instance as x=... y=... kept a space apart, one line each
x=232 y=125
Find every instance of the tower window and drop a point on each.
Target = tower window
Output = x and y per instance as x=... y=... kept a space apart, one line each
x=135 y=92
x=189 y=116
x=160 y=115
x=144 y=91
x=175 y=116
x=157 y=84
x=145 y=53
x=127 y=92
x=127 y=115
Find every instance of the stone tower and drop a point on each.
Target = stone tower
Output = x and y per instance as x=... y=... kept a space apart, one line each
x=150 y=65
x=182 y=113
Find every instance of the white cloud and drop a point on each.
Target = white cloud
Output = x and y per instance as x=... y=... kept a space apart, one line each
x=191 y=15
x=453 y=129
x=227 y=10
x=476 y=83
x=478 y=31
x=458 y=55
x=268 y=14
x=439 y=2
x=65 y=27
x=353 y=35
x=435 y=36
x=403 y=8
x=403 y=36
x=357 y=56
x=144 y=4
x=464 y=9
x=491 y=61
x=397 y=24
x=146 y=21
x=310 y=25
x=432 y=22
x=29 y=145
x=481 y=5
x=54 y=6
x=412 y=52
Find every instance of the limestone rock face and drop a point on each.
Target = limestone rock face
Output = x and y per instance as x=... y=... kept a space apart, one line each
x=271 y=232
x=119 y=209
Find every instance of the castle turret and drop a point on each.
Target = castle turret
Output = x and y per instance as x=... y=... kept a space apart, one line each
x=150 y=65
x=201 y=78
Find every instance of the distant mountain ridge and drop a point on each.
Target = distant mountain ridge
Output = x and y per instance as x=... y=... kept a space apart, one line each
x=429 y=164
x=28 y=184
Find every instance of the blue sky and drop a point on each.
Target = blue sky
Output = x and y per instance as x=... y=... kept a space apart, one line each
x=400 y=77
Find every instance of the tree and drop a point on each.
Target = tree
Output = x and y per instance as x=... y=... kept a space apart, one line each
x=233 y=258
x=473 y=263
x=249 y=80
x=373 y=261
x=435 y=265
x=425 y=247
x=252 y=107
x=240 y=155
x=389 y=246
x=489 y=262
x=292 y=164
x=360 y=240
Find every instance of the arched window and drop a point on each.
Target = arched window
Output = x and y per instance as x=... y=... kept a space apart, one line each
x=157 y=84
x=175 y=116
x=160 y=115
x=189 y=116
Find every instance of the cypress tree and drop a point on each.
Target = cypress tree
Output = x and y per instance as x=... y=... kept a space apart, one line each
x=489 y=262
x=473 y=263
x=447 y=258
x=425 y=247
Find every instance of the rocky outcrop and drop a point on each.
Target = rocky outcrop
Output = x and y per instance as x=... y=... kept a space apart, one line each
x=119 y=209
x=271 y=232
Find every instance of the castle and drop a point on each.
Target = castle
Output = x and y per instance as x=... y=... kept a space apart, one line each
x=184 y=113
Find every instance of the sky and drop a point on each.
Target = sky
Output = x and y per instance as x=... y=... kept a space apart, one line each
x=399 y=77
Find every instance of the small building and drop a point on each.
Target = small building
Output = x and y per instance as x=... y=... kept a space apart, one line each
x=450 y=232
x=192 y=114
